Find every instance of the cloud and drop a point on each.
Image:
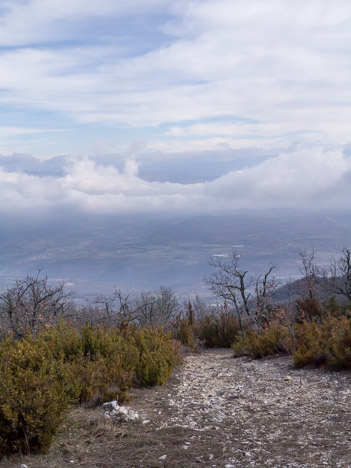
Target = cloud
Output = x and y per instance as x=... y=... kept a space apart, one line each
x=282 y=67
x=303 y=178
x=306 y=178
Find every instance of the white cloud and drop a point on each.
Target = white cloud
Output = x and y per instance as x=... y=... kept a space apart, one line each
x=306 y=177
x=299 y=179
x=7 y=131
x=282 y=65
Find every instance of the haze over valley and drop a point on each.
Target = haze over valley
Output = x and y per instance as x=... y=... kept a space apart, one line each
x=134 y=253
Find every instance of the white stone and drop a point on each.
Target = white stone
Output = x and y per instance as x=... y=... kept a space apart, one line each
x=123 y=410
x=119 y=413
x=115 y=405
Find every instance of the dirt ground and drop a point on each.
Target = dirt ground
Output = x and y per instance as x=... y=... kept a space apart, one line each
x=220 y=412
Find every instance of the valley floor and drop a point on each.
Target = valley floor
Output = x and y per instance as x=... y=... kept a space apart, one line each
x=217 y=411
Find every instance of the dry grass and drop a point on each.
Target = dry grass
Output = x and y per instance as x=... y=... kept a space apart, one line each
x=86 y=440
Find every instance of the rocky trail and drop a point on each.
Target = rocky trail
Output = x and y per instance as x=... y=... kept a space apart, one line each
x=220 y=412
x=240 y=412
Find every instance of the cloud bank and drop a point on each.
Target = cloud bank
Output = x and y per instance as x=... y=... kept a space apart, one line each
x=308 y=178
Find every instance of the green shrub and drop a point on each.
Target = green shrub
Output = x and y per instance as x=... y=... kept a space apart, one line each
x=40 y=377
x=99 y=358
x=328 y=342
x=157 y=358
x=309 y=344
x=339 y=349
x=183 y=331
x=33 y=396
x=63 y=340
x=272 y=340
x=218 y=330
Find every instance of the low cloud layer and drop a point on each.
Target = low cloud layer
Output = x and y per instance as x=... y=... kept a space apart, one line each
x=304 y=178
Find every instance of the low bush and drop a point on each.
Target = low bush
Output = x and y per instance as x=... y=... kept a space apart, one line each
x=309 y=345
x=183 y=331
x=328 y=342
x=218 y=330
x=157 y=357
x=309 y=309
x=40 y=377
x=92 y=354
x=35 y=391
x=273 y=340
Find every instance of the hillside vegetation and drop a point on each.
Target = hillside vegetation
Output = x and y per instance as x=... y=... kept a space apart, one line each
x=42 y=376
x=54 y=355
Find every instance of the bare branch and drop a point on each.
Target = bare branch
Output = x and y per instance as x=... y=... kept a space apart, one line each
x=31 y=304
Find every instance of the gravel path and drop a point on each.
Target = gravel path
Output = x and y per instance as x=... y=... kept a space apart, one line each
x=238 y=412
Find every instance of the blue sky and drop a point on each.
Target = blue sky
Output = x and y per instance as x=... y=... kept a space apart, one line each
x=81 y=77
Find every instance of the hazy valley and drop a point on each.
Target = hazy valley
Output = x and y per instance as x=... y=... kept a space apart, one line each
x=141 y=253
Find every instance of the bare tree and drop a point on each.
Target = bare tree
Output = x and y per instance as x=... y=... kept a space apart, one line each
x=116 y=309
x=31 y=304
x=249 y=296
x=232 y=284
x=336 y=279
x=149 y=309
x=200 y=308
x=265 y=308
x=309 y=275
x=157 y=308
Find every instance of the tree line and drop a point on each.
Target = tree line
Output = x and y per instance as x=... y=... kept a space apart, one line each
x=33 y=303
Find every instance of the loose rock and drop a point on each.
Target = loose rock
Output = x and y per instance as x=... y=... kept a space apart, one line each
x=119 y=413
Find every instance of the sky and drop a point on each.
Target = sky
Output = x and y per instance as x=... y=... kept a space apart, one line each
x=166 y=80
